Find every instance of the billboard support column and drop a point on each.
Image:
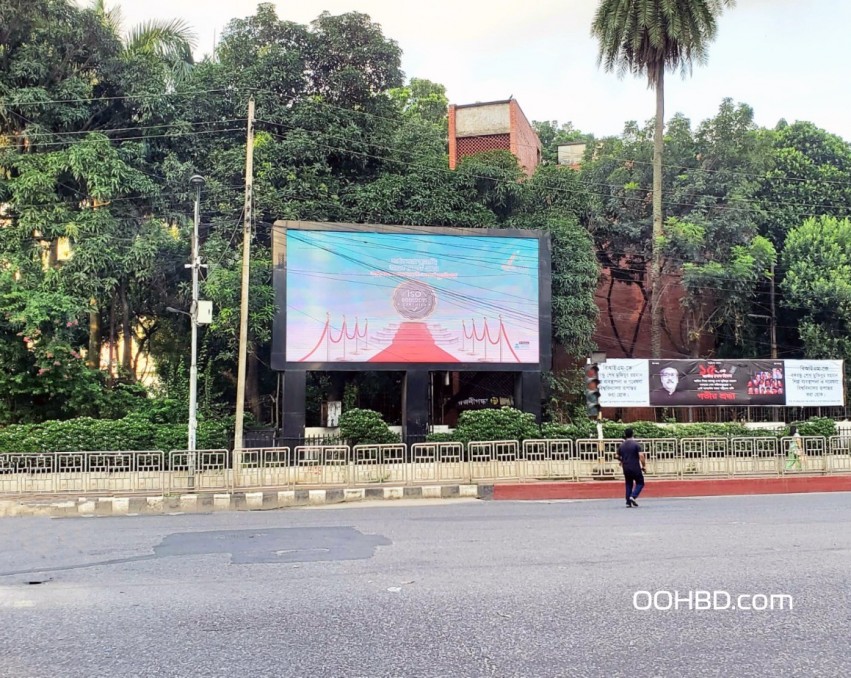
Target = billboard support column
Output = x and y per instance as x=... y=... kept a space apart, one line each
x=415 y=405
x=527 y=393
x=294 y=402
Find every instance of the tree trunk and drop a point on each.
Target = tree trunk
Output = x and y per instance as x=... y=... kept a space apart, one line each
x=93 y=358
x=53 y=254
x=252 y=386
x=126 y=335
x=656 y=304
x=695 y=333
x=112 y=339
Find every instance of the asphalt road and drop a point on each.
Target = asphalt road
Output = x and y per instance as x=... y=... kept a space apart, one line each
x=451 y=588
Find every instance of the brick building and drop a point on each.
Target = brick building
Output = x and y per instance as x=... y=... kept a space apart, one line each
x=490 y=126
x=571 y=154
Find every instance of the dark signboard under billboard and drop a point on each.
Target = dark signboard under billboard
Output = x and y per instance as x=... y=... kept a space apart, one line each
x=698 y=383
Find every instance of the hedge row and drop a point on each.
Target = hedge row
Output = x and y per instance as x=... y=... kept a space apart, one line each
x=139 y=432
x=133 y=432
x=511 y=424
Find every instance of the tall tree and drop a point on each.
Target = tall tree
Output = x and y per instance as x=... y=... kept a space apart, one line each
x=817 y=260
x=807 y=173
x=644 y=38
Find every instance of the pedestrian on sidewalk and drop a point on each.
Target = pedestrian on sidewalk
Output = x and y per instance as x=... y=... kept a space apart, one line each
x=633 y=462
x=796 y=449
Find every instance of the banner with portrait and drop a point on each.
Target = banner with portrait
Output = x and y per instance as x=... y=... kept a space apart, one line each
x=711 y=382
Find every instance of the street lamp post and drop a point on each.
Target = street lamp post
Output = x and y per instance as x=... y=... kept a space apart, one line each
x=197 y=182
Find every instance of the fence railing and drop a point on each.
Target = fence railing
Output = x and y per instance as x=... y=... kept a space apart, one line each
x=180 y=471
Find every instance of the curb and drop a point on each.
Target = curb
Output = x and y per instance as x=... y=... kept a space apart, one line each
x=208 y=502
x=614 y=489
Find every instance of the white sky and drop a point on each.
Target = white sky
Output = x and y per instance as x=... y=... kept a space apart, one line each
x=786 y=58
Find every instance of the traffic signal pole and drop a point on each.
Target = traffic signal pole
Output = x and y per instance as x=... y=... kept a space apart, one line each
x=592 y=390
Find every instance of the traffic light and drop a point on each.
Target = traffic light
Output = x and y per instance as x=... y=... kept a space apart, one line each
x=592 y=390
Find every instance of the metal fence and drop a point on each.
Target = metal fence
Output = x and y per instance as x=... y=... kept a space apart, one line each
x=180 y=471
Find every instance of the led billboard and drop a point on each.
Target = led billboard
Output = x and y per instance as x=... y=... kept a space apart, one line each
x=402 y=296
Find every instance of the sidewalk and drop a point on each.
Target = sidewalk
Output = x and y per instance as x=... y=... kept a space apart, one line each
x=711 y=487
x=208 y=502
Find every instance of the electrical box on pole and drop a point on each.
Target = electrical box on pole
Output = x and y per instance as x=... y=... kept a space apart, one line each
x=205 y=312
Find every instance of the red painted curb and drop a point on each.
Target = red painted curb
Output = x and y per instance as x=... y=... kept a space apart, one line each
x=612 y=489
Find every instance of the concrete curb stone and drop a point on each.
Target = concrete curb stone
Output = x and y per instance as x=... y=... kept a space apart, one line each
x=208 y=502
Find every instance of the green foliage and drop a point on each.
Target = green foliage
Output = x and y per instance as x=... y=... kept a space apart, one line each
x=807 y=174
x=505 y=423
x=134 y=432
x=817 y=261
x=495 y=178
x=422 y=99
x=365 y=427
x=648 y=430
x=816 y=426
x=581 y=429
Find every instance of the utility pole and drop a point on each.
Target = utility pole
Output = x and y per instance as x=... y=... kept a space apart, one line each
x=772 y=317
x=773 y=325
x=196 y=182
x=246 y=257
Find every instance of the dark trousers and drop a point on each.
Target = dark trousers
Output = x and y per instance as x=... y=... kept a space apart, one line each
x=633 y=478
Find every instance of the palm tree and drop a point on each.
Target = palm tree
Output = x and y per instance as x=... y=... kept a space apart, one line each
x=170 y=42
x=645 y=37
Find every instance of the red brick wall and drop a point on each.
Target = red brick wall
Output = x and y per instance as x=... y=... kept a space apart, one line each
x=453 y=158
x=471 y=145
x=525 y=144
x=620 y=312
x=521 y=141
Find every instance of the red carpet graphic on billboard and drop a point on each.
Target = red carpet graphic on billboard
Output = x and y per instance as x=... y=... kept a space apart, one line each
x=412 y=342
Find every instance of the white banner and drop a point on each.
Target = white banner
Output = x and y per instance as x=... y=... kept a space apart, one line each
x=814 y=383
x=625 y=382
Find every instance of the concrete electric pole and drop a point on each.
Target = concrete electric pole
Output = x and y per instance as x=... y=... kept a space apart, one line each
x=196 y=182
x=246 y=258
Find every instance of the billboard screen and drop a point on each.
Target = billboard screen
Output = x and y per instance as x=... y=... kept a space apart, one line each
x=411 y=296
x=701 y=383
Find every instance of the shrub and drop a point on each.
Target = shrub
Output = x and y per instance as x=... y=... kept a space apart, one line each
x=365 y=427
x=815 y=426
x=134 y=432
x=586 y=429
x=506 y=423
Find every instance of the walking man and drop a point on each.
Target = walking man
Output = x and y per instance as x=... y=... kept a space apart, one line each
x=632 y=460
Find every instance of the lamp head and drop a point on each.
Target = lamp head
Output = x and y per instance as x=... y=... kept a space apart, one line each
x=197 y=181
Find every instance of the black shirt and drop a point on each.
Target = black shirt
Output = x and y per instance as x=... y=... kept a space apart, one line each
x=628 y=454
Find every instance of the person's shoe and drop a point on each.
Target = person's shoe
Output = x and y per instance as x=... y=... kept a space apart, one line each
x=632 y=502
x=628 y=503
